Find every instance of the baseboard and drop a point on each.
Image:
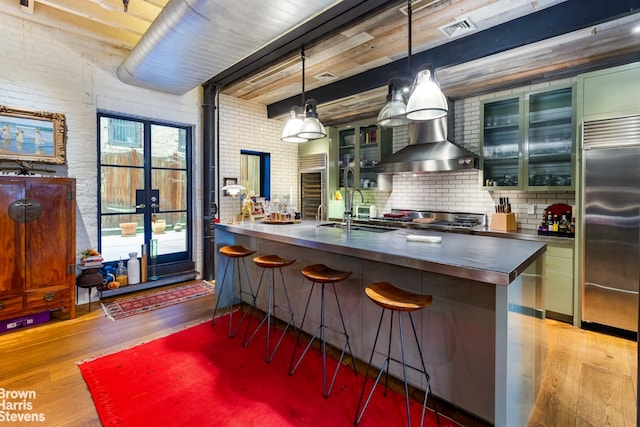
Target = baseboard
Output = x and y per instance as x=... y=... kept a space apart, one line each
x=558 y=316
x=610 y=330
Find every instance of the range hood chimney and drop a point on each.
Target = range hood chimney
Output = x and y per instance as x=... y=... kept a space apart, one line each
x=429 y=151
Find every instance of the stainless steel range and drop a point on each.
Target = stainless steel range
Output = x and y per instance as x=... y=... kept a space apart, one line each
x=459 y=222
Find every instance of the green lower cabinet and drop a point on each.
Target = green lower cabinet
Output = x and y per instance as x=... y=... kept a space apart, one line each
x=558 y=291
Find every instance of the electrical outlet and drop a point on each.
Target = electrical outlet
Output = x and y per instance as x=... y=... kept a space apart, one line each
x=531 y=209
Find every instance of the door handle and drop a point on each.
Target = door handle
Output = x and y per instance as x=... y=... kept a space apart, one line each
x=140 y=206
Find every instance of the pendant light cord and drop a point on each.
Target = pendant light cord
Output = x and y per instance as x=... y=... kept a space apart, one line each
x=409 y=14
x=303 y=58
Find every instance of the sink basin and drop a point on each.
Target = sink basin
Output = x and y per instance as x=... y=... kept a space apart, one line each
x=358 y=227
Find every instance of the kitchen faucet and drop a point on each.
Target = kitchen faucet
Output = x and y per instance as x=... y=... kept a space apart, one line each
x=319 y=214
x=348 y=196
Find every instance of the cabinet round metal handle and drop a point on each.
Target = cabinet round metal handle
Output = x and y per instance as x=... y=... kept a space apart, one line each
x=25 y=210
x=1 y=305
x=49 y=296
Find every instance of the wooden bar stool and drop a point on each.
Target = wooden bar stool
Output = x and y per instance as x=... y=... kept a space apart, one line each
x=396 y=300
x=271 y=263
x=235 y=254
x=322 y=275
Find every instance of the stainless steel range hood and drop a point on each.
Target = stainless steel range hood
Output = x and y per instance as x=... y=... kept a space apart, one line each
x=429 y=151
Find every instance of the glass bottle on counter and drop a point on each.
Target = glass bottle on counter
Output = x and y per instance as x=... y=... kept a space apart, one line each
x=572 y=227
x=133 y=267
x=544 y=225
x=121 y=274
x=562 y=226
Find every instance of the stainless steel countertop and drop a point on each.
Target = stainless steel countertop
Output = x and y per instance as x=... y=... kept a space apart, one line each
x=486 y=231
x=485 y=259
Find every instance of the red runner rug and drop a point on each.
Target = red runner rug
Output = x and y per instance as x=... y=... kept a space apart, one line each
x=201 y=377
x=129 y=306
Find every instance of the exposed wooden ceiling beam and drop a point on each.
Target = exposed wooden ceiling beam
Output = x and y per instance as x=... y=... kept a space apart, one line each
x=565 y=17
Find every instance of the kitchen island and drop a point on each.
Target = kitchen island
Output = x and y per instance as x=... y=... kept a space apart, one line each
x=483 y=336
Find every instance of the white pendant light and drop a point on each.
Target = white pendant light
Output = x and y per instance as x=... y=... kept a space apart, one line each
x=311 y=128
x=303 y=125
x=292 y=128
x=394 y=111
x=426 y=101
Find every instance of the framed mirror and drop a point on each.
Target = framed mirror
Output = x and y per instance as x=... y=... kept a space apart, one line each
x=32 y=136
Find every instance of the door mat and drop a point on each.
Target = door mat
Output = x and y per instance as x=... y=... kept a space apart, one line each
x=130 y=306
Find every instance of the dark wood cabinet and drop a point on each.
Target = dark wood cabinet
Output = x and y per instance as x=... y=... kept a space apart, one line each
x=37 y=245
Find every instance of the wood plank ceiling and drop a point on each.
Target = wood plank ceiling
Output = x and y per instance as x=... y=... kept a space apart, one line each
x=376 y=41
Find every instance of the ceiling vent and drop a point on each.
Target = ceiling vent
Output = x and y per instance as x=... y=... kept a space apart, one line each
x=325 y=76
x=458 y=28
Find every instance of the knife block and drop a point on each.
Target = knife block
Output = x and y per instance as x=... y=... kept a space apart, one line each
x=504 y=222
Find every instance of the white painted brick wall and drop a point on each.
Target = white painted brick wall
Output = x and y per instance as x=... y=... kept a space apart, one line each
x=245 y=126
x=49 y=70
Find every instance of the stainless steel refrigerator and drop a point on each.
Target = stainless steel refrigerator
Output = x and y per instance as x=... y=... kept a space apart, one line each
x=611 y=208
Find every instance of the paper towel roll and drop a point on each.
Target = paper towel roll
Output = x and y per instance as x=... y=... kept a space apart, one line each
x=422 y=238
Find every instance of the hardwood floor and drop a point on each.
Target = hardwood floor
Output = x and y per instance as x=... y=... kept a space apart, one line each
x=589 y=379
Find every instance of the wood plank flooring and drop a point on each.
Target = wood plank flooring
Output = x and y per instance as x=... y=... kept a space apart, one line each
x=589 y=378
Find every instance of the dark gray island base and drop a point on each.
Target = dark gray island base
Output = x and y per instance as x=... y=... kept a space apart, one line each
x=483 y=336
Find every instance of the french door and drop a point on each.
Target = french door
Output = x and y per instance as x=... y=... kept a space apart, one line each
x=144 y=190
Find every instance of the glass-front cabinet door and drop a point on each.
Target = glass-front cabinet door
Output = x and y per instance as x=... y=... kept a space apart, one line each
x=502 y=136
x=369 y=156
x=346 y=153
x=527 y=141
x=362 y=147
x=549 y=139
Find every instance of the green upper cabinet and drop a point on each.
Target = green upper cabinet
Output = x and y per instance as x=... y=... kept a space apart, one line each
x=362 y=146
x=502 y=143
x=528 y=141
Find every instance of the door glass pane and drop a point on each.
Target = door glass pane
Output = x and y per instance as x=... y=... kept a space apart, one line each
x=121 y=234
x=121 y=142
x=168 y=222
x=168 y=146
x=118 y=199
x=173 y=188
x=170 y=232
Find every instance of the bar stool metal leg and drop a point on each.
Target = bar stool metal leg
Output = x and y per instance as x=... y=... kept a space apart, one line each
x=383 y=294
x=271 y=262
x=235 y=255
x=321 y=330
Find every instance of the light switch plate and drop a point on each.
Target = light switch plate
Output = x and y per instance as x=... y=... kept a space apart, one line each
x=531 y=209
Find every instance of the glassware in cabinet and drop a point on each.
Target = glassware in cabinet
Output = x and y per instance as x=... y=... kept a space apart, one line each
x=346 y=152
x=550 y=139
x=362 y=146
x=501 y=143
x=369 y=155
